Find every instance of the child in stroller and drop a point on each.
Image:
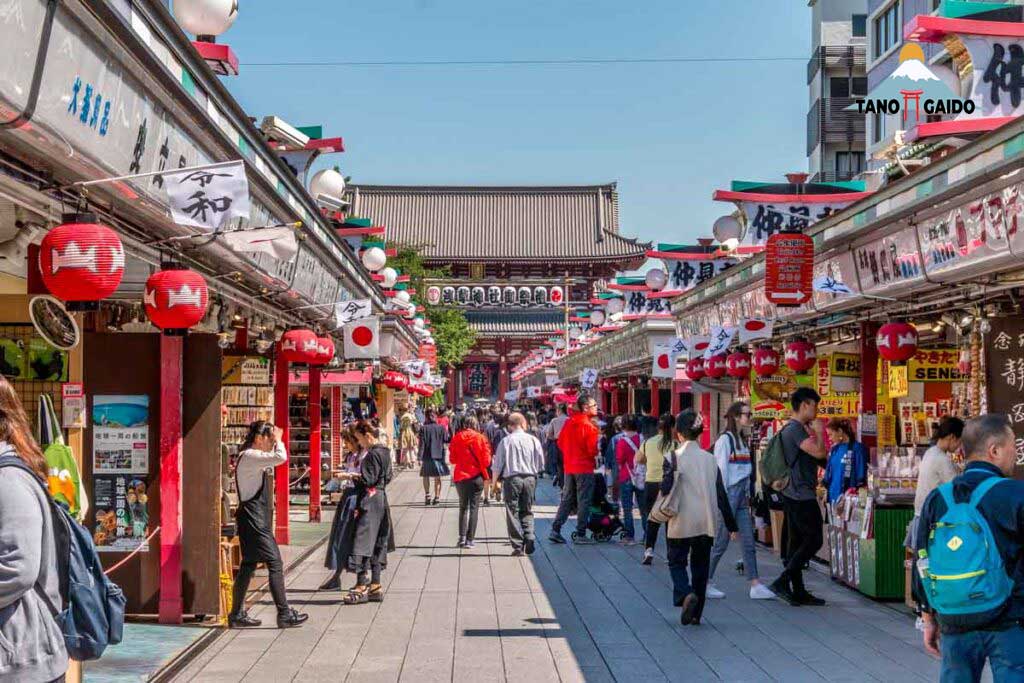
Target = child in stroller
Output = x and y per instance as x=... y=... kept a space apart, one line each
x=605 y=523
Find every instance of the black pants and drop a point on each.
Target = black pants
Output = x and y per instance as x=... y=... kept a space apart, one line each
x=369 y=572
x=650 y=496
x=245 y=571
x=577 y=493
x=803 y=521
x=469 y=491
x=519 y=491
x=696 y=551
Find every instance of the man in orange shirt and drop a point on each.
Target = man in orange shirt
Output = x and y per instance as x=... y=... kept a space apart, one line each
x=578 y=443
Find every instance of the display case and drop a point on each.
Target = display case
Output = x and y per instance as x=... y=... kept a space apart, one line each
x=298 y=445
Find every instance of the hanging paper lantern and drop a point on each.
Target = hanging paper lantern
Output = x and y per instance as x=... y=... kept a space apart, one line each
x=395 y=380
x=607 y=385
x=374 y=259
x=433 y=295
x=737 y=364
x=508 y=296
x=175 y=298
x=714 y=367
x=81 y=261
x=494 y=295
x=556 y=296
x=896 y=341
x=324 y=350
x=540 y=296
x=597 y=318
x=656 y=279
x=614 y=306
x=695 y=369
x=766 y=361
x=801 y=355
x=299 y=346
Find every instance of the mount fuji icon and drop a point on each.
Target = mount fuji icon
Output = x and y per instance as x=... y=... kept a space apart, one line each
x=911 y=75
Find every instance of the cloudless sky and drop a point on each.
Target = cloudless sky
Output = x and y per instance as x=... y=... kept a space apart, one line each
x=669 y=134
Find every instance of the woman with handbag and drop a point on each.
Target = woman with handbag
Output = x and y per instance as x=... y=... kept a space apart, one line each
x=652 y=456
x=691 y=490
x=632 y=477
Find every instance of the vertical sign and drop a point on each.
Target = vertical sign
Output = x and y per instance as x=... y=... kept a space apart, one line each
x=789 y=269
x=1004 y=363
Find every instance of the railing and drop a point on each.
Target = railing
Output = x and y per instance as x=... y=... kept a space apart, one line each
x=828 y=121
x=832 y=177
x=837 y=56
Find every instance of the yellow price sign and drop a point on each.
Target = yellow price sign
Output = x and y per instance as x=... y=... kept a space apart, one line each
x=899 y=384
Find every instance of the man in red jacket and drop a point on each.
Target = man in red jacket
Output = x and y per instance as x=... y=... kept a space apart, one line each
x=578 y=443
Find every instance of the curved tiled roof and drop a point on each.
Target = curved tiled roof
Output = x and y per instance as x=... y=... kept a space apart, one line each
x=461 y=223
x=506 y=323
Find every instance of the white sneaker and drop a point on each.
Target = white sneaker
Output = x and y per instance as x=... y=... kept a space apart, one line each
x=648 y=556
x=713 y=593
x=759 y=591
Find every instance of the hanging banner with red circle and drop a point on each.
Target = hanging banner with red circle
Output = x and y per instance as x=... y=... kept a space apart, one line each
x=789 y=269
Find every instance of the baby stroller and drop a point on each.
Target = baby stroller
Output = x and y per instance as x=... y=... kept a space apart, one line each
x=605 y=523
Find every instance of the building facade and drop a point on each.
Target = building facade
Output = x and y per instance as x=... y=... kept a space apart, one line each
x=836 y=77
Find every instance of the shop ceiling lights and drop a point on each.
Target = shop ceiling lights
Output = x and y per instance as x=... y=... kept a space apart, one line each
x=714 y=367
x=81 y=261
x=374 y=259
x=766 y=361
x=299 y=346
x=737 y=364
x=175 y=299
x=801 y=355
x=897 y=341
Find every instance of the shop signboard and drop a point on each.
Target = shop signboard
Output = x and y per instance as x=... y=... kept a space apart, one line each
x=253 y=370
x=965 y=240
x=756 y=304
x=935 y=365
x=845 y=365
x=769 y=396
x=121 y=510
x=764 y=219
x=842 y=405
x=120 y=434
x=838 y=268
x=73 y=405
x=685 y=274
x=1004 y=367
x=889 y=265
x=789 y=269
x=899 y=386
x=823 y=374
x=994 y=90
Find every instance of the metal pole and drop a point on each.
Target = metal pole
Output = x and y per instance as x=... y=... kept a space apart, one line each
x=566 y=299
x=172 y=171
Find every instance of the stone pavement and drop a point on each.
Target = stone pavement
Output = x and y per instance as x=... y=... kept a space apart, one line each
x=565 y=614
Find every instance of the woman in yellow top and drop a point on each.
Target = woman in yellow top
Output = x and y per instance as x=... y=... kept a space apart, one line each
x=652 y=455
x=408 y=441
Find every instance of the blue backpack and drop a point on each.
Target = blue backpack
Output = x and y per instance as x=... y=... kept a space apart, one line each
x=93 y=615
x=965 y=576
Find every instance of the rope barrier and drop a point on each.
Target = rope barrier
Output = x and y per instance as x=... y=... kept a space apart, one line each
x=302 y=476
x=134 y=552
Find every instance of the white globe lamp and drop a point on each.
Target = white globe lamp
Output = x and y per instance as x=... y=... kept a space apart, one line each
x=656 y=279
x=727 y=229
x=390 y=276
x=403 y=297
x=327 y=182
x=597 y=318
x=614 y=306
x=206 y=17
x=374 y=259
x=419 y=323
x=575 y=332
x=559 y=344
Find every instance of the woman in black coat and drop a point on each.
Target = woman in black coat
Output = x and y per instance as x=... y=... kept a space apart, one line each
x=365 y=549
x=433 y=437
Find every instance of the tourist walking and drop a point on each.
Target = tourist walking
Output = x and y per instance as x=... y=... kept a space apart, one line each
x=31 y=643
x=517 y=463
x=554 y=454
x=803 y=445
x=433 y=437
x=261 y=451
x=366 y=552
x=408 y=441
x=983 y=620
x=470 y=453
x=692 y=481
x=652 y=456
x=847 y=465
x=578 y=444
x=732 y=455
x=631 y=477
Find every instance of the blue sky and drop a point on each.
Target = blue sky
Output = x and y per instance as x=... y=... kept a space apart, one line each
x=669 y=134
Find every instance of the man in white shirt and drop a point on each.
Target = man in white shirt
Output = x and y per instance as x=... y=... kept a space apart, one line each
x=517 y=462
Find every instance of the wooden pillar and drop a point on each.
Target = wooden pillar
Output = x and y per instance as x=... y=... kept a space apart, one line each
x=450 y=389
x=314 y=414
x=869 y=379
x=170 y=605
x=655 y=399
x=705 y=413
x=281 y=471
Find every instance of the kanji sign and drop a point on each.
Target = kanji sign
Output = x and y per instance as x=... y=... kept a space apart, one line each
x=789 y=269
x=935 y=365
x=208 y=197
x=1004 y=366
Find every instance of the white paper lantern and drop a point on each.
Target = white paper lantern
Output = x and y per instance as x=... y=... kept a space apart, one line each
x=727 y=228
x=327 y=182
x=656 y=279
x=374 y=259
x=597 y=318
x=402 y=297
x=575 y=332
x=559 y=344
x=390 y=276
x=206 y=17
x=614 y=306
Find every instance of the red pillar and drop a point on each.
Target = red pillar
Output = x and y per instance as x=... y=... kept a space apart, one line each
x=869 y=378
x=242 y=337
x=655 y=399
x=314 y=414
x=170 y=607
x=705 y=414
x=674 y=401
x=502 y=378
x=281 y=471
x=337 y=410
x=615 y=401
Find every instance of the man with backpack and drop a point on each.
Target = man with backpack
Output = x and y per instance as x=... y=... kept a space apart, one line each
x=802 y=446
x=970 y=545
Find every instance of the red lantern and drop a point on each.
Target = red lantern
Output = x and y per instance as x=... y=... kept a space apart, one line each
x=324 y=350
x=896 y=341
x=175 y=298
x=299 y=346
x=714 y=367
x=81 y=261
x=395 y=380
x=737 y=364
x=766 y=361
x=695 y=369
x=801 y=355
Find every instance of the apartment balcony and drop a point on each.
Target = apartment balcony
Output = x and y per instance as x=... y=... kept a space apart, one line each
x=827 y=122
x=850 y=57
x=832 y=177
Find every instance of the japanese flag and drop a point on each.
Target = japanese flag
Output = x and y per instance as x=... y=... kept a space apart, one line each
x=698 y=345
x=362 y=338
x=755 y=328
x=664 y=362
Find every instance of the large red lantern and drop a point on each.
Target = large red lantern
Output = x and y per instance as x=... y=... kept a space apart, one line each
x=81 y=261
x=766 y=361
x=395 y=380
x=175 y=299
x=299 y=346
x=896 y=341
x=801 y=355
x=737 y=364
x=714 y=367
x=695 y=369
x=324 y=350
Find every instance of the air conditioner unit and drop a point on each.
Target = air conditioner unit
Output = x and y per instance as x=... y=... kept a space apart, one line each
x=279 y=130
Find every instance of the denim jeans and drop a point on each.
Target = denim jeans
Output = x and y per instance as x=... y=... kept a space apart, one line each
x=629 y=493
x=964 y=655
x=577 y=492
x=739 y=501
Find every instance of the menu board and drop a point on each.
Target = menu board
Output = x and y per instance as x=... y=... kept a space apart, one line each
x=1004 y=366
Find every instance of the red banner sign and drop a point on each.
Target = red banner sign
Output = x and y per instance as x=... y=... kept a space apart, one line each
x=428 y=352
x=789 y=269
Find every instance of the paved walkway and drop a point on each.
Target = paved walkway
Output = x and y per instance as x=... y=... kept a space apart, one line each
x=565 y=614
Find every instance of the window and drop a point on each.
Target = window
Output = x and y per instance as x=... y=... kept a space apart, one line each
x=887 y=30
x=877 y=127
x=838 y=87
x=859 y=25
x=860 y=86
x=849 y=164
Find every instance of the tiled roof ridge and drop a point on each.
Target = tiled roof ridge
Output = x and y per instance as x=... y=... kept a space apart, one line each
x=483 y=189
